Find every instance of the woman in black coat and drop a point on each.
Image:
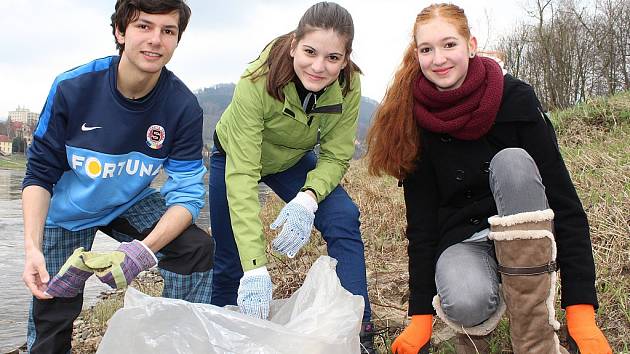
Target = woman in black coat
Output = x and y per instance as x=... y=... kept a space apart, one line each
x=487 y=193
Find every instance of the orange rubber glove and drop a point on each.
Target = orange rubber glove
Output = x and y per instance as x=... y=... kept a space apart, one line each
x=415 y=336
x=584 y=331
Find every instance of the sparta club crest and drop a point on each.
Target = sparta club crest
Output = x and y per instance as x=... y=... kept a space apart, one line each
x=155 y=136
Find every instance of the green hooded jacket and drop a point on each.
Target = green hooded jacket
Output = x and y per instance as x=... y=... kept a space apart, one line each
x=262 y=136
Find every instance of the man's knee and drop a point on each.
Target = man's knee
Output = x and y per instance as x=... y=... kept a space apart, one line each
x=191 y=252
x=201 y=249
x=205 y=243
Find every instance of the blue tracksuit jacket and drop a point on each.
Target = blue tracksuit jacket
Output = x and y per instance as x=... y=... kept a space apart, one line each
x=97 y=152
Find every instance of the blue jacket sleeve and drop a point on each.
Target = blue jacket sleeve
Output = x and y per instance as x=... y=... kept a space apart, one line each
x=184 y=166
x=47 y=154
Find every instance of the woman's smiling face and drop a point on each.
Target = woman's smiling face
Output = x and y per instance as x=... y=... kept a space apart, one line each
x=443 y=53
x=318 y=58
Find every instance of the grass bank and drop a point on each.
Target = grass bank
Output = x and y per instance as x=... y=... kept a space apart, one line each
x=594 y=142
x=13 y=162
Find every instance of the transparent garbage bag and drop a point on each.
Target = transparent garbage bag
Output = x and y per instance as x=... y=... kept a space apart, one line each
x=320 y=317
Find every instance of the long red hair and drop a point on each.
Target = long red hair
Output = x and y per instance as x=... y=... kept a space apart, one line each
x=394 y=137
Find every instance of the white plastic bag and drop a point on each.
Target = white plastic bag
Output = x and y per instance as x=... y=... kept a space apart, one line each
x=320 y=317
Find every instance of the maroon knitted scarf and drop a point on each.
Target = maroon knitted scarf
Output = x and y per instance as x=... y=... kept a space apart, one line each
x=466 y=112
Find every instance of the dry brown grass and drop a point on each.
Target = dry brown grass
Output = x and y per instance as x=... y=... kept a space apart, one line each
x=594 y=140
x=594 y=144
x=382 y=226
x=597 y=154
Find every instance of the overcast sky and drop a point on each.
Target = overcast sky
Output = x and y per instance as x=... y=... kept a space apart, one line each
x=42 y=38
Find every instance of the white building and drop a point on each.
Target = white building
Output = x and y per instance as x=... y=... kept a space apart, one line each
x=23 y=115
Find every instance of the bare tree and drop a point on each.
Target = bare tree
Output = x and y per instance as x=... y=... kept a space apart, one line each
x=570 y=52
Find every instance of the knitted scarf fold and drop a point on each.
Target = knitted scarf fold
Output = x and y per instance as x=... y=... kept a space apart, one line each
x=467 y=112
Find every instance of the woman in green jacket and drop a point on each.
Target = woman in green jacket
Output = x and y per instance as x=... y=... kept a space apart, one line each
x=303 y=90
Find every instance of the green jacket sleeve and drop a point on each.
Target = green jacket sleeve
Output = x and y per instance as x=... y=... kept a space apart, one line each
x=241 y=128
x=336 y=145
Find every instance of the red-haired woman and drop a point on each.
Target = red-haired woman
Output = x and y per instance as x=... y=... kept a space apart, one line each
x=487 y=193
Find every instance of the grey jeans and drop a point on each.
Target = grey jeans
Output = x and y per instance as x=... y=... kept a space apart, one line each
x=466 y=273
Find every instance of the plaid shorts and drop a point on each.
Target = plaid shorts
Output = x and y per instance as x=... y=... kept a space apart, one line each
x=188 y=260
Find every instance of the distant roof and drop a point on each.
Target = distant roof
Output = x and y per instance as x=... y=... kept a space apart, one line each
x=4 y=139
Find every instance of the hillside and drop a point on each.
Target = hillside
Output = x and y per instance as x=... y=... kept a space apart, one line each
x=215 y=99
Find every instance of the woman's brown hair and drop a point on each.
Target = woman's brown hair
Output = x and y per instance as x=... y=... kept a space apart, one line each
x=394 y=137
x=278 y=67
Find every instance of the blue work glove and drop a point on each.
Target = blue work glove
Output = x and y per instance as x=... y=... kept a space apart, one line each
x=297 y=216
x=119 y=268
x=254 y=293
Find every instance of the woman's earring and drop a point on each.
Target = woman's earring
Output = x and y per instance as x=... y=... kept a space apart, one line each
x=472 y=55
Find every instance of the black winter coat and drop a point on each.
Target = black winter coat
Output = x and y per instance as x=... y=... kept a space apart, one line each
x=448 y=197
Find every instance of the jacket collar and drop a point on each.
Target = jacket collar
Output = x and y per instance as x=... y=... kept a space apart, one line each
x=331 y=101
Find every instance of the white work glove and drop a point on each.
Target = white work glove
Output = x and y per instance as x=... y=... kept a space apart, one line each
x=297 y=216
x=254 y=293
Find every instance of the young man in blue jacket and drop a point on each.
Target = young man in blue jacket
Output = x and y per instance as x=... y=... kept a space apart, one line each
x=106 y=130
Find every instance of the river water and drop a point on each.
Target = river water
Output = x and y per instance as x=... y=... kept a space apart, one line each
x=14 y=296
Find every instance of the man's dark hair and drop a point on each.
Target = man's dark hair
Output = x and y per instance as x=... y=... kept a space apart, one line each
x=127 y=11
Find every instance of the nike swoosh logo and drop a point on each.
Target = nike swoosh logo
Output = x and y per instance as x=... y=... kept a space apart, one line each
x=85 y=128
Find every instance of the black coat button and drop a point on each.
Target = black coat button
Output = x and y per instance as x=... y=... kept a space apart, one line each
x=459 y=175
x=446 y=138
x=468 y=194
x=475 y=221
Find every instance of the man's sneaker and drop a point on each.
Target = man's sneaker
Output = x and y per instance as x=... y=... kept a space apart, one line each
x=366 y=337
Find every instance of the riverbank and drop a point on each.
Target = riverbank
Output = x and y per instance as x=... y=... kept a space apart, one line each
x=594 y=142
x=13 y=162
x=91 y=325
